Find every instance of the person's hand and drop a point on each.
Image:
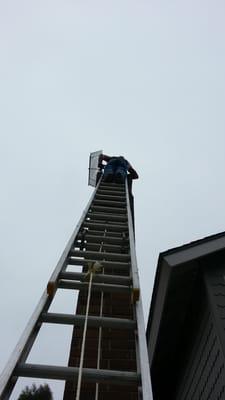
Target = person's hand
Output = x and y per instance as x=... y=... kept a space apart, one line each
x=133 y=173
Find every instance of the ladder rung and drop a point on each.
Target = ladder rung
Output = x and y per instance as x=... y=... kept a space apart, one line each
x=96 y=322
x=115 y=187
x=101 y=243
x=104 y=239
x=71 y=373
x=108 y=223
x=111 y=193
x=104 y=247
x=106 y=264
x=118 y=235
x=110 y=203
x=103 y=287
x=108 y=209
x=101 y=278
x=106 y=217
x=110 y=198
x=96 y=255
x=112 y=184
x=103 y=226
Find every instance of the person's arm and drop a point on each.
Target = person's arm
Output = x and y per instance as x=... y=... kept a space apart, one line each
x=133 y=173
x=103 y=157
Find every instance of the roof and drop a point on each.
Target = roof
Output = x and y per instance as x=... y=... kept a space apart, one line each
x=175 y=279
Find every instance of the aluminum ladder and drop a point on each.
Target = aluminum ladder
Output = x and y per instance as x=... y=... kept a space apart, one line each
x=104 y=236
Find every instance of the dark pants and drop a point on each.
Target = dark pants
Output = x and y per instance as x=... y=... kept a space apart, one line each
x=115 y=170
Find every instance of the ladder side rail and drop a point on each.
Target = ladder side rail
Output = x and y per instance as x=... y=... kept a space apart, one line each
x=142 y=343
x=63 y=259
x=23 y=347
x=143 y=353
x=134 y=267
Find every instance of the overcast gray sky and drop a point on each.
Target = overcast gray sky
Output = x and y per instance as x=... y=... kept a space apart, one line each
x=144 y=79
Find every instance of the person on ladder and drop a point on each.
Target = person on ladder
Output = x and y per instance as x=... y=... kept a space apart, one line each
x=116 y=168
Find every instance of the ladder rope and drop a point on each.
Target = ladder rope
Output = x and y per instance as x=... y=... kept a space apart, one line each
x=93 y=268
x=100 y=328
x=84 y=339
x=99 y=347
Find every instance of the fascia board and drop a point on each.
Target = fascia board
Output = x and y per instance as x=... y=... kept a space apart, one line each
x=157 y=309
x=195 y=251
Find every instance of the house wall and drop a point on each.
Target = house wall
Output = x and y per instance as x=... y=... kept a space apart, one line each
x=203 y=378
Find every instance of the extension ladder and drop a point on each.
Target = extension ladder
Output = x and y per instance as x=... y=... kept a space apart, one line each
x=103 y=244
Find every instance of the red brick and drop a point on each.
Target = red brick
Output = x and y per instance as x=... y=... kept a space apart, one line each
x=117 y=396
x=115 y=354
x=123 y=365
